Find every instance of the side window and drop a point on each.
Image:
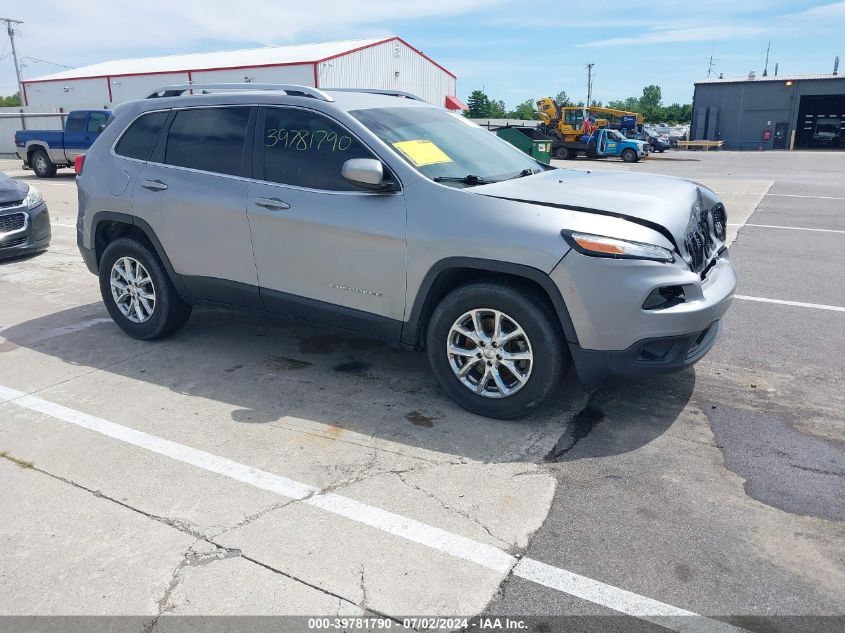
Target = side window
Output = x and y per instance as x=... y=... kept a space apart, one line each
x=138 y=141
x=210 y=139
x=306 y=149
x=95 y=120
x=76 y=122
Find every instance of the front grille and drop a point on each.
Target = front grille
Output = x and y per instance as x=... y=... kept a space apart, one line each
x=15 y=242
x=12 y=222
x=720 y=222
x=13 y=203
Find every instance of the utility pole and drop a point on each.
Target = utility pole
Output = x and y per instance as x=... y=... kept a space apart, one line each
x=766 y=66
x=589 y=84
x=9 y=22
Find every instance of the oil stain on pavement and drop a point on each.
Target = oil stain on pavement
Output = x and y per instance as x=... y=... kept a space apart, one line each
x=782 y=467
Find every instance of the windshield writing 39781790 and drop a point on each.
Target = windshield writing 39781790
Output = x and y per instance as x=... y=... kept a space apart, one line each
x=304 y=140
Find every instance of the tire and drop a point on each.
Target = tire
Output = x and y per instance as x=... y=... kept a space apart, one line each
x=562 y=153
x=42 y=165
x=165 y=313
x=518 y=304
x=630 y=156
x=650 y=149
x=662 y=150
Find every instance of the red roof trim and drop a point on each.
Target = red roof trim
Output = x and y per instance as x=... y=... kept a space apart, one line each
x=395 y=38
x=169 y=72
x=302 y=63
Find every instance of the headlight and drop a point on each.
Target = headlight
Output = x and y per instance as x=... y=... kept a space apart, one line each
x=33 y=198
x=600 y=246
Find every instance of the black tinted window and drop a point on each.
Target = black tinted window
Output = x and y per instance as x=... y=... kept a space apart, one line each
x=96 y=120
x=211 y=139
x=139 y=139
x=306 y=149
x=76 y=122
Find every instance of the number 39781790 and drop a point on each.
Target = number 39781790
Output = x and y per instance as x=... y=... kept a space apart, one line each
x=303 y=140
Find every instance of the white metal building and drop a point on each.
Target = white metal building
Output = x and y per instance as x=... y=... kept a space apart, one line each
x=386 y=63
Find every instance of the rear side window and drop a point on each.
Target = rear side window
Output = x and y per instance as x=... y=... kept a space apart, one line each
x=76 y=122
x=138 y=141
x=210 y=139
x=306 y=149
x=95 y=120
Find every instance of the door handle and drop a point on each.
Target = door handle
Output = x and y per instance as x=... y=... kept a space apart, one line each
x=154 y=185
x=272 y=203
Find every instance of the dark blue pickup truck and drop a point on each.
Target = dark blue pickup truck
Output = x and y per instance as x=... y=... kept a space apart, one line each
x=47 y=150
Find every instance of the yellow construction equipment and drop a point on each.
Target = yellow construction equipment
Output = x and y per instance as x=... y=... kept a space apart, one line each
x=565 y=122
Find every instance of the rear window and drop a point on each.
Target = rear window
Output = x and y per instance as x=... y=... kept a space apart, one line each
x=139 y=139
x=210 y=139
x=95 y=120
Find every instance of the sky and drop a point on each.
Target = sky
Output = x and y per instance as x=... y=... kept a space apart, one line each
x=513 y=50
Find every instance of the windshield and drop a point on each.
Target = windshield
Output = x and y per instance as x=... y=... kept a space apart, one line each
x=444 y=146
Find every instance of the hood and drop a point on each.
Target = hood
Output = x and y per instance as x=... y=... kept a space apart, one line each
x=12 y=190
x=661 y=203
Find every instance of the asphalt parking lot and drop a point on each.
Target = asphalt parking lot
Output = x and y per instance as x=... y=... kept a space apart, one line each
x=254 y=466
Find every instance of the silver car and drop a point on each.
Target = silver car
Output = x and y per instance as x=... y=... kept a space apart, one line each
x=380 y=213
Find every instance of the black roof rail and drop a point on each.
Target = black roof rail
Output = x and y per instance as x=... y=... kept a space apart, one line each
x=288 y=89
x=378 y=91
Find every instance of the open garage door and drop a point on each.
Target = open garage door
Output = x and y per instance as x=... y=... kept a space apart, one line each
x=821 y=123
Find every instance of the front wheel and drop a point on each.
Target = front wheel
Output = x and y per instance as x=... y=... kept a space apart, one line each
x=496 y=348
x=138 y=293
x=630 y=156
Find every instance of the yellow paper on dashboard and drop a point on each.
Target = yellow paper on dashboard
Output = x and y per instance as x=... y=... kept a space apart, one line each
x=422 y=152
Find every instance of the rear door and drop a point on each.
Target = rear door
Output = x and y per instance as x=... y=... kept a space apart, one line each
x=193 y=194
x=325 y=249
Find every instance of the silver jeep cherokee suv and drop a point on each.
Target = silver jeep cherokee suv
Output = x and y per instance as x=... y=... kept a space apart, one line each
x=378 y=212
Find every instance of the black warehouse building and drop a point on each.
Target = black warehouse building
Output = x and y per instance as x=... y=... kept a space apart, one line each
x=798 y=112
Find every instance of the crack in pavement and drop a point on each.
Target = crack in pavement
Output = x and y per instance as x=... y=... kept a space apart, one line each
x=502 y=544
x=193 y=558
x=580 y=426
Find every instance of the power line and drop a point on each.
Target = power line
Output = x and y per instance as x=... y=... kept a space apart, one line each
x=45 y=61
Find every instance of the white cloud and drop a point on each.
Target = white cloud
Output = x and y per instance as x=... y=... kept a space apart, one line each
x=734 y=22
x=77 y=34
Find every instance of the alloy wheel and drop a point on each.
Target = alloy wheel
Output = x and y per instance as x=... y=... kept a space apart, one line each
x=132 y=290
x=489 y=353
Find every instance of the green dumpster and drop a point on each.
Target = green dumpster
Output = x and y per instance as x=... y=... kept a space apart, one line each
x=531 y=141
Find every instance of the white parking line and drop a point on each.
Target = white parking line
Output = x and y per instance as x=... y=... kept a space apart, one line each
x=800 y=304
x=441 y=540
x=790 y=228
x=65 y=329
x=67 y=226
x=796 y=195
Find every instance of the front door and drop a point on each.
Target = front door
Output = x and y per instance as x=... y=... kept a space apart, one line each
x=76 y=131
x=780 y=136
x=325 y=249
x=193 y=192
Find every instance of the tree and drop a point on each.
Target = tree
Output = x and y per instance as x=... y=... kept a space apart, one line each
x=563 y=99
x=524 y=111
x=478 y=105
x=12 y=101
x=497 y=109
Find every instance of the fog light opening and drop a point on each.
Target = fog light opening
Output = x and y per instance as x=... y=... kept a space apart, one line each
x=664 y=297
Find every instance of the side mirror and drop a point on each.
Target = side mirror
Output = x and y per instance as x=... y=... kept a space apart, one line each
x=367 y=173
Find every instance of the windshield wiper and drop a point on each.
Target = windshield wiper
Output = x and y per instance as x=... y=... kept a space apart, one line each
x=525 y=172
x=467 y=180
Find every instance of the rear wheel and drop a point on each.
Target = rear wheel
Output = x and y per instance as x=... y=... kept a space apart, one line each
x=138 y=293
x=42 y=165
x=630 y=156
x=496 y=349
x=563 y=153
